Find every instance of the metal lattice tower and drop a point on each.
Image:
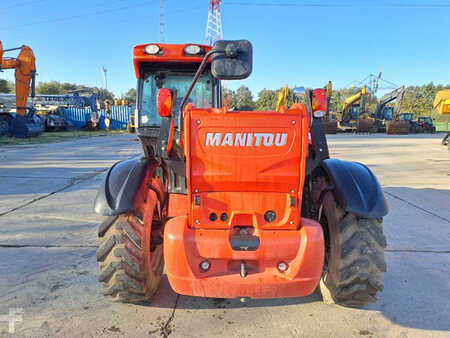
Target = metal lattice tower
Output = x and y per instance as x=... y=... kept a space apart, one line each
x=162 y=27
x=214 y=23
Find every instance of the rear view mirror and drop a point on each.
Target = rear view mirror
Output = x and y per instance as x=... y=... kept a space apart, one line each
x=233 y=59
x=164 y=102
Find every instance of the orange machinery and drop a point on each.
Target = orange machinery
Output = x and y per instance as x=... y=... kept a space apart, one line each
x=234 y=203
x=21 y=124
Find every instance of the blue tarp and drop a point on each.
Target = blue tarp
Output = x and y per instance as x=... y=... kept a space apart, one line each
x=78 y=117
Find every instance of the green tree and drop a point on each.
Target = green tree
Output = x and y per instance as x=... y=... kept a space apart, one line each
x=130 y=95
x=49 y=88
x=103 y=94
x=419 y=101
x=267 y=100
x=70 y=87
x=244 y=98
x=6 y=86
x=58 y=88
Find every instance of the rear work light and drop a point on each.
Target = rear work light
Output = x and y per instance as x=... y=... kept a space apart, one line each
x=194 y=50
x=152 y=49
x=319 y=100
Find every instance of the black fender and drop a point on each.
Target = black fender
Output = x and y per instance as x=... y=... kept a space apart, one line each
x=116 y=193
x=356 y=188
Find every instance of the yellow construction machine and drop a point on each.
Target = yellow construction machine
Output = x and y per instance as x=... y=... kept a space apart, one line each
x=282 y=100
x=329 y=122
x=442 y=106
x=347 y=119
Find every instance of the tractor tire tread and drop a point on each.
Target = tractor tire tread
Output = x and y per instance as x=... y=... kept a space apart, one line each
x=361 y=265
x=104 y=226
x=120 y=261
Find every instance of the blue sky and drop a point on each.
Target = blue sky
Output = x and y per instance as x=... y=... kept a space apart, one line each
x=304 y=42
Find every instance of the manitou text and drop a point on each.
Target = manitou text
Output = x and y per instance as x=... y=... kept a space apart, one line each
x=245 y=139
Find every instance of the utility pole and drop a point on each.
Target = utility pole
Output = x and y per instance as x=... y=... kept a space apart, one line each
x=104 y=70
x=162 y=27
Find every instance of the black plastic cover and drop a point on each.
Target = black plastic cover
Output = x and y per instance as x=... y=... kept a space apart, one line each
x=116 y=193
x=235 y=63
x=356 y=188
x=244 y=242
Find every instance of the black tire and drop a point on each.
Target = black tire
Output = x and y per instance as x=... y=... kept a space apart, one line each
x=354 y=275
x=129 y=273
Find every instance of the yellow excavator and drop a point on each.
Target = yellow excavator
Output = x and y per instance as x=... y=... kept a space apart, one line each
x=23 y=122
x=442 y=106
x=347 y=119
x=329 y=122
x=282 y=100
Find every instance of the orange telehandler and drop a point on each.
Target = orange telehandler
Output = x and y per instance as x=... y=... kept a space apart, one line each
x=22 y=123
x=234 y=203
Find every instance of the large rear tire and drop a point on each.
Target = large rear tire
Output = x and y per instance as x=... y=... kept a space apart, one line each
x=130 y=252
x=129 y=271
x=355 y=262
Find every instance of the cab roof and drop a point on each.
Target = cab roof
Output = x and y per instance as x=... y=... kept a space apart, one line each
x=167 y=53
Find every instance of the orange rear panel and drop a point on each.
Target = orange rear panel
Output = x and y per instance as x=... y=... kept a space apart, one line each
x=244 y=164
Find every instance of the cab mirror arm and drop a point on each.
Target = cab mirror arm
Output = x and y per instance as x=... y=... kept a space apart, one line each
x=199 y=72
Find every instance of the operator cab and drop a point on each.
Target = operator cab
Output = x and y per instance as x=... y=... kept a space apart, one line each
x=205 y=94
x=354 y=111
x=185 y=74
x=387 y=113
x=173 y=67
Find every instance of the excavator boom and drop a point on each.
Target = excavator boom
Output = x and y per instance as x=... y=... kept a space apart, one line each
x=396 y=126
x=20 y=125
x=353 y=99
x=397 y=94
x=348 y=119
x=25 y=70
x=442 y=102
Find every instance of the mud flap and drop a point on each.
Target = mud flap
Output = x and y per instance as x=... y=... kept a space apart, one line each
x=117 y=191
x=356 y=188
